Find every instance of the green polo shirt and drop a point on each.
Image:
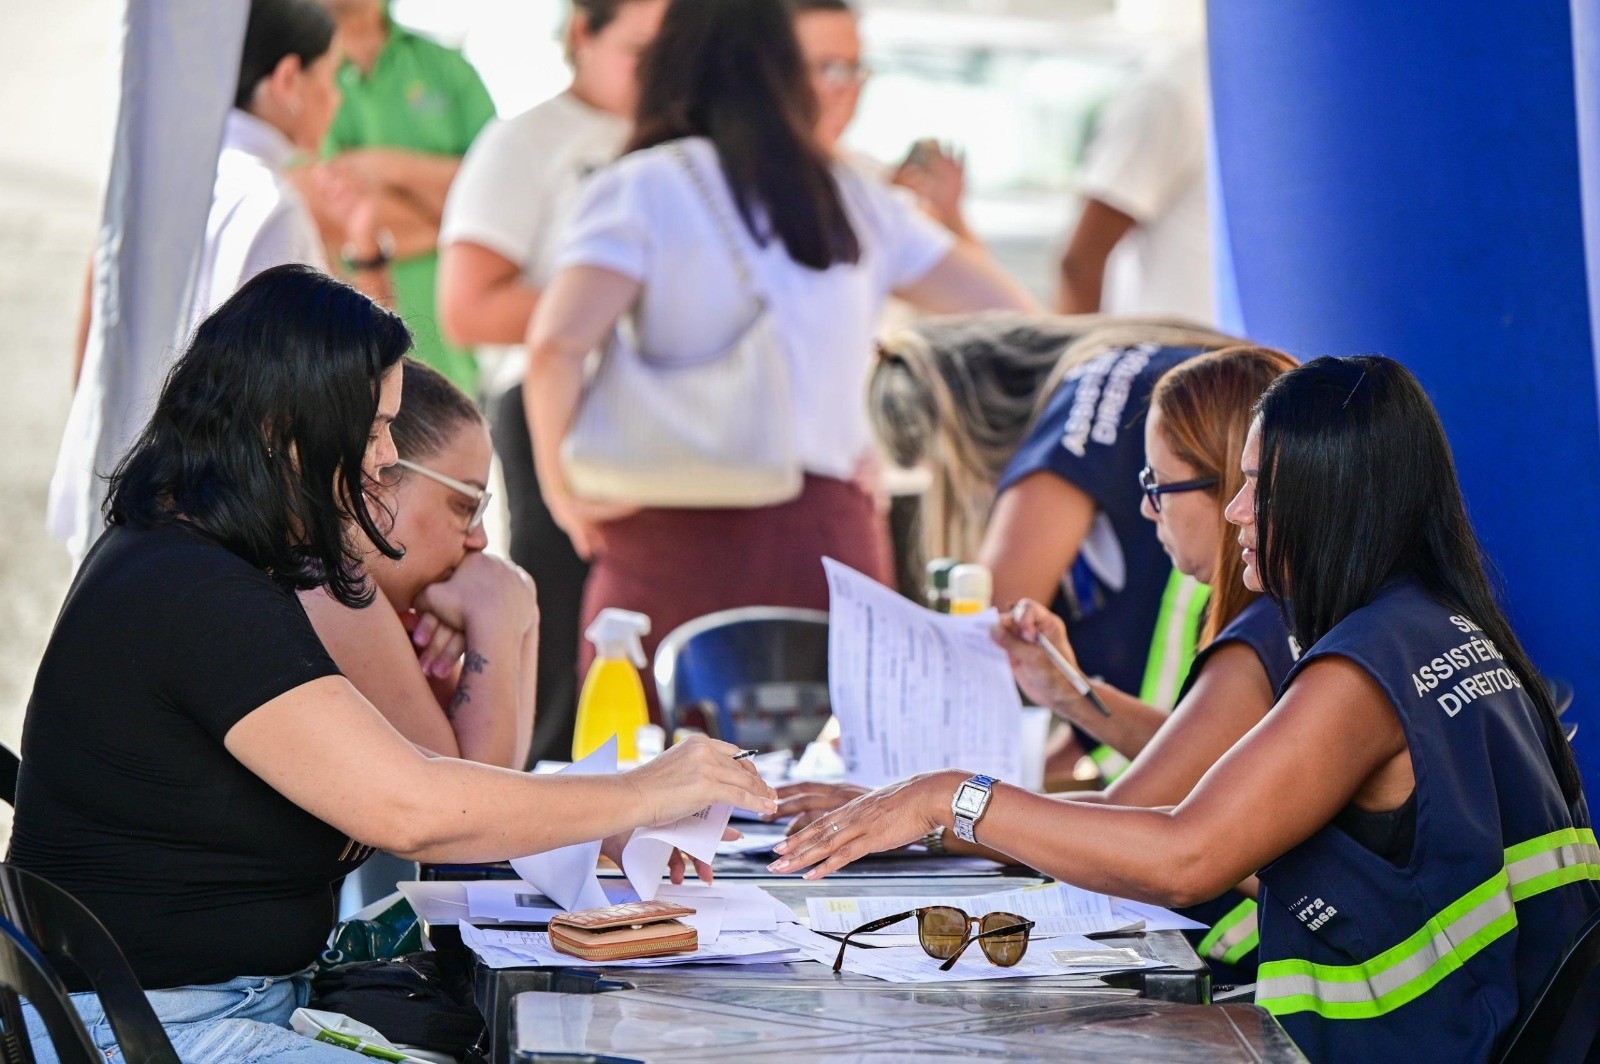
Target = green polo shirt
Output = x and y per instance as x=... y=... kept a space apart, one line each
x=423 y=97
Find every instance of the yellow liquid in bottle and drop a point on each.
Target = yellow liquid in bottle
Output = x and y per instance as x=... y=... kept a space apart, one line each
x=612 y=703
x=962 y=606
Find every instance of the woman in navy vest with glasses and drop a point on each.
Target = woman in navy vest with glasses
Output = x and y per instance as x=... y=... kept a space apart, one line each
x=1410 y=806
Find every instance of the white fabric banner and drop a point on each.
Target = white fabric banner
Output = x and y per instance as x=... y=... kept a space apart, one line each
x=180 y=67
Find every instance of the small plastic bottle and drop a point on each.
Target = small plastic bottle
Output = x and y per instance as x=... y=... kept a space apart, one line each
x=938 y=584
x=971 y=587
x=612 y=702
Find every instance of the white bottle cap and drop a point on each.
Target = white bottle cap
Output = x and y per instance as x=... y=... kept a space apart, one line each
x=971 y=583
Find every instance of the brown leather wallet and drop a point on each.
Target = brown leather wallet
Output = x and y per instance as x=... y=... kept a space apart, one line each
x=624 y=932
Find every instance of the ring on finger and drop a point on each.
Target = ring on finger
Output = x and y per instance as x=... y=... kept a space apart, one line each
x=833 y=827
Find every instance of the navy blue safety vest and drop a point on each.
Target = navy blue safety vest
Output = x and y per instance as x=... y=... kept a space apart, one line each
x=1363 y=960
x=1229 y=945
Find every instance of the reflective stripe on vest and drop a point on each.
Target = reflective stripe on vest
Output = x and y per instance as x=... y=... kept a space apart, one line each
x=1447 y=942
x=1234 y=936
x=1110 y=763
x=1172 y=646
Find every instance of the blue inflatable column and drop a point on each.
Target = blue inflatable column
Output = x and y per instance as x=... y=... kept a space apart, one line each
x=1403 y=178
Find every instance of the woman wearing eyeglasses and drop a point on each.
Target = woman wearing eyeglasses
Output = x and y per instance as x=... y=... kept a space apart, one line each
x=1411 y=808
x=1033 y=430
x=1198 y=416
x=445 y=597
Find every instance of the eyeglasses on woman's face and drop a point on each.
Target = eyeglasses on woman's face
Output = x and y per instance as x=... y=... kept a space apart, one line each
x=841 y=74
x=1153 y=490
x=942 y=931
x=479 y=496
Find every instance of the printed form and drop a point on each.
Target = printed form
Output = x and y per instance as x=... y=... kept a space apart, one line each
x=916 y=690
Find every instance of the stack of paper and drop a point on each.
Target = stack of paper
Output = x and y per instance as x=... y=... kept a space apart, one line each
x=500 y=948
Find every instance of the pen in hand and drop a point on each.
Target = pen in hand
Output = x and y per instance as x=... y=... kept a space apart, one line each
x=742 y=754
x=1078 y=680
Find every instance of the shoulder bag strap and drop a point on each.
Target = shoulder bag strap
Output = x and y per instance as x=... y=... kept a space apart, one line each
x=724 y=225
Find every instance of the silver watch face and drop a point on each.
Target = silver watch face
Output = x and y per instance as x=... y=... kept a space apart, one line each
x=969 y=799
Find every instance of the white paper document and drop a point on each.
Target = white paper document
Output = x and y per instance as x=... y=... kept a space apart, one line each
x=745 y=906
x=1055 y=909
x=916 y=690
x=567 y=874
x=509 y=901
x=528 y=949
x=1152 y=917
x=648 y=850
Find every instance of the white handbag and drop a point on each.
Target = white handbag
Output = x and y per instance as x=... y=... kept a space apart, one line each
x=711 y=432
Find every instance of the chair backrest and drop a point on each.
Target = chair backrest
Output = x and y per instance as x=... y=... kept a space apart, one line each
x=756 y=676
x=68 y=937
x=24 y=971
x=1562 y=1026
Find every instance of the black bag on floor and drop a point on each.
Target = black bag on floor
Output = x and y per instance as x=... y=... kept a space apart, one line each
x=409 y=999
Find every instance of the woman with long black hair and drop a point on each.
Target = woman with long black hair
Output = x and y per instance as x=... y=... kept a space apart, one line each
x=725 y=198
x=1410 y=805
x=195 y=769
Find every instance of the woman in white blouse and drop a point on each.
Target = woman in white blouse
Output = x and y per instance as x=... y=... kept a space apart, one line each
x=725 y=83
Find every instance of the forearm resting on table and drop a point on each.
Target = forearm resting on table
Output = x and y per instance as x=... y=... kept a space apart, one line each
x=392 y=797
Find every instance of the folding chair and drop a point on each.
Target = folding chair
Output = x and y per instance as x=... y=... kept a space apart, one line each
x=50 y=931
x=755 y=676
x=1562 y=1024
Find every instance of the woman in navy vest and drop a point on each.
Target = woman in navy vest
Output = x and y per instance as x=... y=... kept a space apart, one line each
x=1200 y=412
x=1410 y=805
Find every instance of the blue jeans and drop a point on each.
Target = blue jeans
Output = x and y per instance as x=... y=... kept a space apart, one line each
x=242 y=1021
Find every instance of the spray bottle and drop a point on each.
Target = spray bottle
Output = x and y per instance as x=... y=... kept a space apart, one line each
x=612 y=702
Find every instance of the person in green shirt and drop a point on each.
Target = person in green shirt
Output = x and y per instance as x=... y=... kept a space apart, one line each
x=411 y=109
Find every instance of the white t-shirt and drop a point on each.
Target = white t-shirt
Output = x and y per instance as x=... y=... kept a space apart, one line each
x=520 y=179
x=1148 y=160
x=644 y=218
x=517 y=187
x=258 y=220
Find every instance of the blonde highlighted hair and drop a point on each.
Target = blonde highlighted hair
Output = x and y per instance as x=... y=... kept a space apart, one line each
x=958 y=396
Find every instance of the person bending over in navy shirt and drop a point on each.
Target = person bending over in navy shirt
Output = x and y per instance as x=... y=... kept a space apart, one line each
x=1413 y=811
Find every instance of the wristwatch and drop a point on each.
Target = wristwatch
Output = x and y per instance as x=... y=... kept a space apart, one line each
x=968 y=806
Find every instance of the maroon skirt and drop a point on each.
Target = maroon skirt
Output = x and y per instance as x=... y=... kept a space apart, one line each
x=677 y=565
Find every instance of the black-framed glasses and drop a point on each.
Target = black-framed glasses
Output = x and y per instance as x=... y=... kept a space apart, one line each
x=480 y=496
x=1153 y=491
x=943 y=931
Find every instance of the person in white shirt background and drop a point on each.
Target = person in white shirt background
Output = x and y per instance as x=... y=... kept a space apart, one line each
x=285 y=102
x=725 y=85
x=505 y=213
x=1143 y=242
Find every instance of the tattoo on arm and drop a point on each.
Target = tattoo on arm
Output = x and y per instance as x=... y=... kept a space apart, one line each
x=473 y=663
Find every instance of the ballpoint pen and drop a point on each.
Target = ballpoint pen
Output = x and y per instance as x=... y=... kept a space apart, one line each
x=1078 y=680
x=742 y=754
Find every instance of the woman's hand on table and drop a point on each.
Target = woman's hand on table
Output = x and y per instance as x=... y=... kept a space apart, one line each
x=884 y=819
x=806 y=802
x=694 y=774
x=1019 y=632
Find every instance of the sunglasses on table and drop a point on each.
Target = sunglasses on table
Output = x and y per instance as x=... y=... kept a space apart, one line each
x=943 y=932
x=480 y=496
x=1153 y=491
